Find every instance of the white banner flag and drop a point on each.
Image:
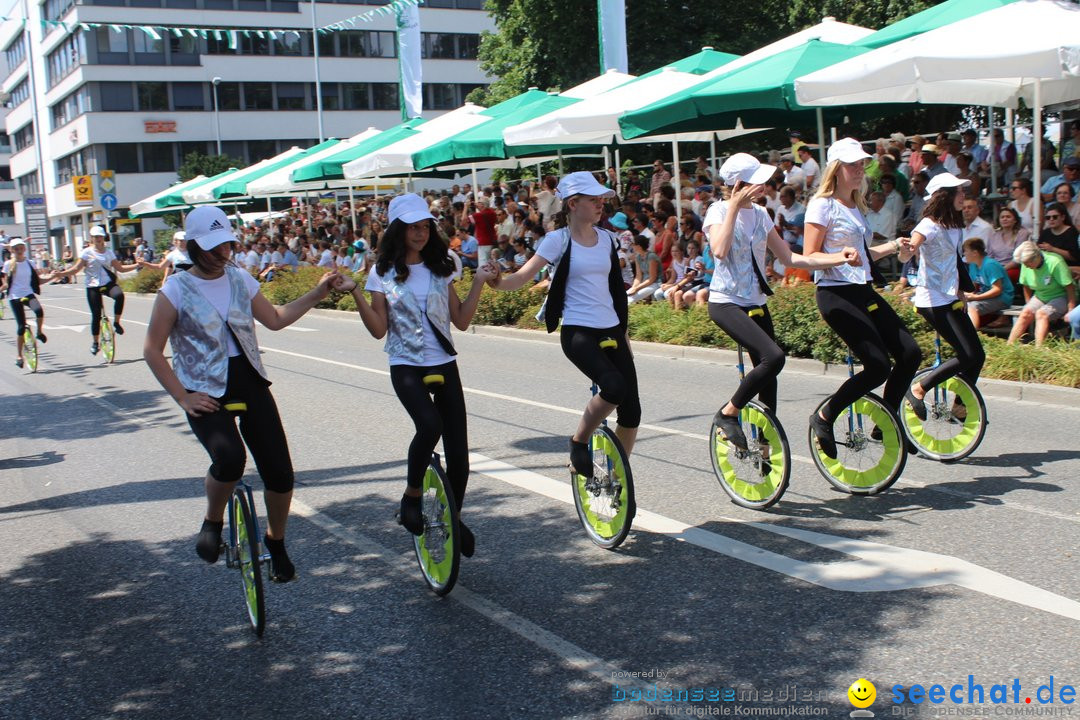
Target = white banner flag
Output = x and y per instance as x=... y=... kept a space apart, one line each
x=408 y=36
x=612 y=22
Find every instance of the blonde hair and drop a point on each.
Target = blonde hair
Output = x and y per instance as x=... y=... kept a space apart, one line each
x=827 y=188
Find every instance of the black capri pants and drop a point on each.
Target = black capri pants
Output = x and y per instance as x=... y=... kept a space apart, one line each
x=18 y=307
x=955 y=328
x=613 y=371
x=757 y=335
x=260 y=427
x=94 y=297
x=438 y=412
x=874 y=332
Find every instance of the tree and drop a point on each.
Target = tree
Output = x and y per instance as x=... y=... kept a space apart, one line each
x=195 y=164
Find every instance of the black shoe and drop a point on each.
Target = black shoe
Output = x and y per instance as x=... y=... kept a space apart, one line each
x=824 y=433
x=916 y=404
x=94 y=347
x=468 y=540
x=41 y=337
x=876 y=434
x=732 y=429
x=959 y=410
x=410 y=515
x=19 y=362
x=281 y=568
x=581 y=458
x=119 y=330
x=208 y=545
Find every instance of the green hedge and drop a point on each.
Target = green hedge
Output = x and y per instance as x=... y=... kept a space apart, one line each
x=144 y=281
x=799 y=327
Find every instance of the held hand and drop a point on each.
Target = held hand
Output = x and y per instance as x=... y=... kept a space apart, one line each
x=197 y=403
x=850 y=256
x=344 y=283
x=492 y=273
x=486 y=272
x=326 y=282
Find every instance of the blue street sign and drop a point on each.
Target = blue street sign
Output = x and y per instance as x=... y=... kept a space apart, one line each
x=108 y=201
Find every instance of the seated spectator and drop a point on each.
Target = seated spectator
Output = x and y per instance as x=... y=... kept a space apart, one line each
x=791 y=218
x=993 y=289
x=1002 y=154
x=966 y=171
x=674 y=275
x=521 y=254
x=975 y=226
x=1049 y=291
x=1005 y=239
x=793 y=175
x=646 y=272
x=1070 y=173
x=1060 y=236
x=894 y=200
x=810 y=168
x=880 y=219
x=890 y=169
x=973 y=148
x=1064 y=195
x=1022 y=202
x=326 y=255
x=918 y=202
x=931 y=158
x=469 y=248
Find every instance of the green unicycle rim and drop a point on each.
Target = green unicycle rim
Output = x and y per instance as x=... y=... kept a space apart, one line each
x=607 y=529
x=771 y=486
x=107 y=340
x=247 y=555
x=863 y=480
x=437 y=548
x=30 y=353
x=970 y=430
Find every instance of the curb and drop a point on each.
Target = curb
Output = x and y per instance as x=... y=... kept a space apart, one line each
x=1056 y=395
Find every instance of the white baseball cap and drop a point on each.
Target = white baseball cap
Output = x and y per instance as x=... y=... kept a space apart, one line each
x=581 y=183
x=98 y=231
x=179 y=235
x=209 y=227
x=16 y=243
x=847 y=150
x=745 y=167
x=409 y=208
x=944 y=180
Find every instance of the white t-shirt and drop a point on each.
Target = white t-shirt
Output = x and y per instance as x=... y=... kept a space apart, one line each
x=588 y=297
x=811 y=168
x=178 y=257
x=926 y=295
x=849 y=230
x=795 y=178
x=418 y=282
x=95 y=266
x=326 y=259
x=981 y=229
x=218 y=293
x=18 y=286
x=251 y=261
x=752 y=225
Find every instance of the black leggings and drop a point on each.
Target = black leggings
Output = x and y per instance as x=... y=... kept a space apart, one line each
x=613 y=371
x=439 y=412
x=756 y=334
x=873 y=331
x=93 y=297
x=260 y=428
x=955 y=328
x=19 y=308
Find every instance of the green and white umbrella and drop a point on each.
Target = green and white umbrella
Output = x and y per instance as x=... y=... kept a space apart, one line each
x=329 y=169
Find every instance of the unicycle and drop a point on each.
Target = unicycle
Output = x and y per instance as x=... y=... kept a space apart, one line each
x=955 y=417
x=30 y=353
x=107 y=338
x=870 y=448
x=757 y=477
x=605 y=502
x=243 y=551
x=438 y=549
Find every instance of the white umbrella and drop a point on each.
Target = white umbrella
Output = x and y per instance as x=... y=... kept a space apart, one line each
x=205 y=193
x=278 y=182
x=396 y=158
x=149 y=205
x=1029 y=49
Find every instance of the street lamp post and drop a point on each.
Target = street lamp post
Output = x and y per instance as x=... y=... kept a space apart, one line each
x=217 y=116
x=318 y=80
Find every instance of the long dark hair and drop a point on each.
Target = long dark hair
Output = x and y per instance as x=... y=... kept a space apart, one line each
x=434 y=254
x=941 y=208
x=198 y=255
x=1061 y=210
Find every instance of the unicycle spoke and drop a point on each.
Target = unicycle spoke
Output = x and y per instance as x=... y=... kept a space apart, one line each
x=30 y=353
x=757 y=477
x=870 y=453
x=605 y=502
x=438 y=548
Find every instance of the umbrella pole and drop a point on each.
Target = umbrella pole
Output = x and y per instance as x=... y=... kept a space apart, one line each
x=475 y=185
x=352 y=210
x=310 y=216
x=607 y=160
x=269 y=212
x=376 y=188
x=560 y=163
x=1036 y=170
x=993 y=155
x=618 y=173
x=821 y=136
x=712 y=158
x=678 y=184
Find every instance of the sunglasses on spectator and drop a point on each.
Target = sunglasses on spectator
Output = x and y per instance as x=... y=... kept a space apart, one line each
x=1054 y=216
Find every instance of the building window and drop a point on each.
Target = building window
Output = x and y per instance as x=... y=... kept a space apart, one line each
x=183 y=50
x=254 y=45
x=56 y=9
x=188 y=96
x=24 y=137
x=112 y=47
x=327 y=47
x=152 y=96
x=5 y=143
x=384 y=96
x=20 y=93
x=258 y=96
x=158 y=157
x=77 y=163
x=288 y=44
x=28 y=184
x=15 y=53
x=468 y=46
x=116 y=97
x=438 y=46
x=122 y=157
x=356 y=96
x=331 y=99
x=290 y=96
x=71 y=107
x=382 y=44
x=187 y=148
x=148 y=51
x=214 y=46
x=228 y=94
x=261 y=149
x=441 y=96
x=66 y=57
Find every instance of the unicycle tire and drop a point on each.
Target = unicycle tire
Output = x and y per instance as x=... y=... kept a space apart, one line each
x=605 y=503
x=107 y=340
x=438 y=550
x=757 y=477
x=30 y=353
x=248 y=559
x=863 y=465
x=943 y=436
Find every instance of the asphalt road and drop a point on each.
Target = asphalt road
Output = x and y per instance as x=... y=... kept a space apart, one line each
x=965 y=569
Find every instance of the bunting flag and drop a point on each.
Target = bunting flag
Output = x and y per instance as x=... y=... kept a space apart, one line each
x=408 y=36
x=611 y=15
x=232 y=34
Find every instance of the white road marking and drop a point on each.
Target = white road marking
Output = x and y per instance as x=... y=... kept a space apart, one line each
x=300 y=329
x=74 y=328
x=875 y=567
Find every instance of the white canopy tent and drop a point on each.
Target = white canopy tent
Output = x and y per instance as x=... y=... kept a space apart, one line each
x=1028 y=49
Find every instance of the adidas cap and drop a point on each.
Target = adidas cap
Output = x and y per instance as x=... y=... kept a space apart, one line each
x=209 y=227
x=98 y=231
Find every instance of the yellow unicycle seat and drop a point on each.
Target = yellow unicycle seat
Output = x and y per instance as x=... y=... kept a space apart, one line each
x=608 y=343
x=755 y=312
x=434 y=380
x=234 y=406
